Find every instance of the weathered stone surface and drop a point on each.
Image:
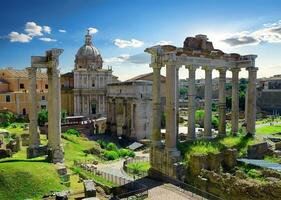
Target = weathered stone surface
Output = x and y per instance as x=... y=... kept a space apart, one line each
x=197 y=163
x=257 y=151
x=25 y=139
x=89 y=188
x=61 y=169
x=4 y=153
x=2 y=142
x=214 y=161
x=229 y=158
x=278 y=145
x=35 y=152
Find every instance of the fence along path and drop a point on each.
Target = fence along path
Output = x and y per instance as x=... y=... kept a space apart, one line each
x=106 y=175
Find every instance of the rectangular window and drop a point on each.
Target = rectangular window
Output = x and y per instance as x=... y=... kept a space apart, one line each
x=21 y=86
x=43 y=98
x=8 y=98
x=46 y=86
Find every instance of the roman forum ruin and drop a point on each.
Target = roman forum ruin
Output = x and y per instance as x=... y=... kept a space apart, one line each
x=54 y=148
x=196 y=52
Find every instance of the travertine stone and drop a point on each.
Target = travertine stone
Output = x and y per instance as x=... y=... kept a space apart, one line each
x=235 y=101
x=251 y=101
x=208 y=103
x=156 y=110
x=221 y=104
x=191 y=102
x=50 y=108
x=34 y=138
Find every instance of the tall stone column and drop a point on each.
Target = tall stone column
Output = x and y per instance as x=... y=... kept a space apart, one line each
x=50 y=109
x=222 y=101
x=235 y=101
x=113 y=122
x=251 y=101
x=171 y=114
x=191 y=102
x=132 y=119
x=177 y=102
x=156 y=105
x=34 y=137
x=208 y=103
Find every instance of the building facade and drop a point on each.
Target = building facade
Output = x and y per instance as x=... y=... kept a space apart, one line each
x=90 y=81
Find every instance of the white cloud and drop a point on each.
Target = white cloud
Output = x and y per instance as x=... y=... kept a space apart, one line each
x=62 y=31
x=128 y=43
x=32 y=29
x=92 y=30
x=269 y=33
x=45 y=39
x=162 y=42
x=19 y=37
x=141 y=58
x=47 y=29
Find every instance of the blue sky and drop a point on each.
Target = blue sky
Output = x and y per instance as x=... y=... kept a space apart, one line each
x=125 y=28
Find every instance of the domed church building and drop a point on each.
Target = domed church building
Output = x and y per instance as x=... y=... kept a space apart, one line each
x=90 y=81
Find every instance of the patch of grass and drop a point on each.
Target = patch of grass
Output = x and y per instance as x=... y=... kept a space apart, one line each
x=273 y=159
x=231 y=141
x=95 y=178
x=267 y=130
x=139 y=167
x=23 y=179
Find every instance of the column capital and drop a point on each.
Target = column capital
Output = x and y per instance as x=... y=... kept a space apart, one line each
x=31 y=70
x=252 y=69
x=191 y=67
x=235 y=69
x=207 y=68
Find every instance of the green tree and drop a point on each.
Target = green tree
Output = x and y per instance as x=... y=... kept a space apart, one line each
x=42 y=117
x=63 y=116
x=228 y=102
x=6 y=118
x=183 y=91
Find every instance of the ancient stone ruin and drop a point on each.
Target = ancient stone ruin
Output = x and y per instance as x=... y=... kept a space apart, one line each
x=54 y=148
x=196 y=52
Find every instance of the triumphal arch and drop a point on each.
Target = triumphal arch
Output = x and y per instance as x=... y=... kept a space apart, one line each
x=54 y=149
x=197 y=52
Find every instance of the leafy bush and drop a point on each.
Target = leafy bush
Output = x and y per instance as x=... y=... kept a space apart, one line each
x=111 y=147
x=6 y=118
x=73 y=132
x=126 y=153
x=255 y=174
x=111 y=155
x=102 y=144
x=42 y=117
x=215 y=121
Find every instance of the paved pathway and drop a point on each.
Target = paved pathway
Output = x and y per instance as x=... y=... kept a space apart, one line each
x=262 y=163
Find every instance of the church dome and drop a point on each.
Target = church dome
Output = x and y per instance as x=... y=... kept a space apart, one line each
x=88 y=56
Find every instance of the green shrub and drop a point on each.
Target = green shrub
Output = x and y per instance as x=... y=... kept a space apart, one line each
x=72 y=132
x=102 y=144
x=255 y=174
x=215 y=121
x=111 y=155
x=111 y=147
x=126 y=153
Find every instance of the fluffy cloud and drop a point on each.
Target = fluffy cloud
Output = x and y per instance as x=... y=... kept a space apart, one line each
x=62 y=31
x=19 y=37
x=92 y=30
x=162 y=42
x=45 y=39
x=128 y=43
x=32 y=29
x=269 y=33
x=141 y=58
x=47 y=29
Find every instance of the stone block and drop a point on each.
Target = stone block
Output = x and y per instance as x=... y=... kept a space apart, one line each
x=278 y=145
x=89 y=188
x=257 y=151
x=36 y=152
x=229 y=158
x=25 y=139
x=5 y=133
x=214 y=161
x=5 y=153
x=197 y=163
x=2 y=142
x=61 y=169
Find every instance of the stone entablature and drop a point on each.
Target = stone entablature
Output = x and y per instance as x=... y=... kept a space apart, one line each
x=198 y=52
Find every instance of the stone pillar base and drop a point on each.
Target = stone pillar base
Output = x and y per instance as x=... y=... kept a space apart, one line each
x=113 y=129
x=56 y=155
x=33 y=152
x=164 y=160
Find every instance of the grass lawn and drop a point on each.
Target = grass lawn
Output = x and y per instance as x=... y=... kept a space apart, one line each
x=139 y=166
x=267 y=130
x=22 y=179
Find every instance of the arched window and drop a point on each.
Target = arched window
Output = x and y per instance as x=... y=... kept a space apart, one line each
x=24 y=111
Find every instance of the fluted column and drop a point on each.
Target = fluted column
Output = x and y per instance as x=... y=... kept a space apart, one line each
x=208 y=103
x=171 y=97
x=34 y=137
x=156 y=103
x=222 y=101
x=251 y=101
x=235 y=101
x=191 y=102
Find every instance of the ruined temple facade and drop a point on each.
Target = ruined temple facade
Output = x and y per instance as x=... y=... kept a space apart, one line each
x=90 y=80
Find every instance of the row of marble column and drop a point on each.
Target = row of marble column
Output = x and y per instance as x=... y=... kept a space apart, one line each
x=54 y=109
x=172 y=104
